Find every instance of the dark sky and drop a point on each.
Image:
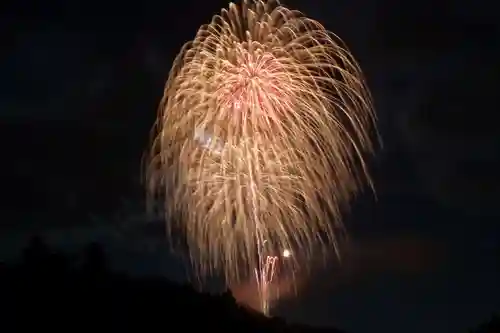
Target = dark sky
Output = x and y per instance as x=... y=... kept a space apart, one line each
x=79 y=87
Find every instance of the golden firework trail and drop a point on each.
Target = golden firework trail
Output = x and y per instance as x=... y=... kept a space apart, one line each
x=261 y=137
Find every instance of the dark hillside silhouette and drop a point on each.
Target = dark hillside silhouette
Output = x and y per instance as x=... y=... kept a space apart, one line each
x=46 y=292
x=491 y=326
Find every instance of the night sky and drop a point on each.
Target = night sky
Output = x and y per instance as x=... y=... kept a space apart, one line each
x=80 y=83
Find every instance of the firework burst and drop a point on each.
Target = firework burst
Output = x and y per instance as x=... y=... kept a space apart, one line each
x=260 y=138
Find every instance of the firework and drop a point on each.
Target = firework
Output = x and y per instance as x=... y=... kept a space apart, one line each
x=261 y=136
x=264 y=275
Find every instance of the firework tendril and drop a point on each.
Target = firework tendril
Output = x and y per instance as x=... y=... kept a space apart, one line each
x=261 y=137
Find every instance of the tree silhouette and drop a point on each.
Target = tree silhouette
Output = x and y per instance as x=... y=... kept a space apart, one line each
x=95 y=262
x=491 y=326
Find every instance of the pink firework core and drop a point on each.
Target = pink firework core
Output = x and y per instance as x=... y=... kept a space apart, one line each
x=250 y=85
